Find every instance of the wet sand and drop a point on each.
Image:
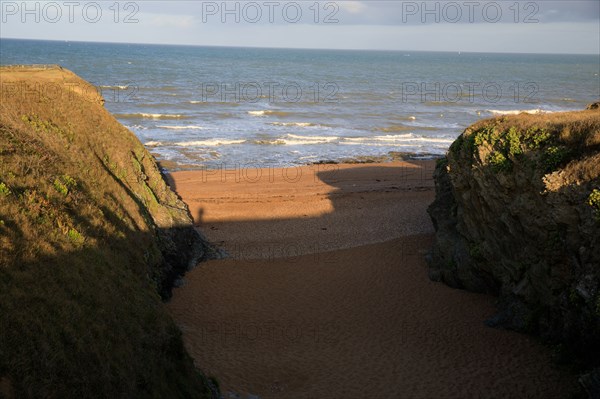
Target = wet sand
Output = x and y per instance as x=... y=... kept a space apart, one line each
x=326 y=292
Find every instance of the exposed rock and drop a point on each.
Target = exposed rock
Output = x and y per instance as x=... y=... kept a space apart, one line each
x=516 y=216
x=595 y=105
x=591 y=383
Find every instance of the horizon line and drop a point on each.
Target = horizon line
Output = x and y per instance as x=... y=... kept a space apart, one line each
x=294 y=48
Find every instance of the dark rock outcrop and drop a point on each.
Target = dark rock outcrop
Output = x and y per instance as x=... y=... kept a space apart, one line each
x=517 y=214
x=595 y=105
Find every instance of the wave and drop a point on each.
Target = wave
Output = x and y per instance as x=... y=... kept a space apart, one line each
x=389 y=137
x=269 y=142
x=268 y=112
x=136 y=127
x=119 y=87
x=518 y=111
x=182 y=127
x=196 y=143
x=294 y=139
x=393 y=128
x=149 y=116
x=394 y=117
x=296 y=124
x=154 y=105
x=208 y=143
x=434 y=125
x=392 y=139
x=213 y=103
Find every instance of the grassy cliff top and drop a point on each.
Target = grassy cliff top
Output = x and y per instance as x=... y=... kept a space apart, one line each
x=91 y=237
x=517 y=214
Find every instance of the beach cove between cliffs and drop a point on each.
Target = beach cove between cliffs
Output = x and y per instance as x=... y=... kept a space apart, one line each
x=325 y=292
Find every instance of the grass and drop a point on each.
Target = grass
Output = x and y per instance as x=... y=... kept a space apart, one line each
x=594 y=201
x=545 y=143
x=82 y=271
x=64 y=183
x=4 y=190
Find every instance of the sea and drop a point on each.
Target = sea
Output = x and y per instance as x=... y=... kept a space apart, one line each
x=195 y=107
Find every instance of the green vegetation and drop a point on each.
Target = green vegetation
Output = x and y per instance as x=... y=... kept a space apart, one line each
x=515 y=147
x=499 y=162
x=441 y=162
x=505 y=145
x=82 y=266
x=4 y=190
x=554 y=156
x=64 y=183
x=594 y=202
x=594 y=199
x=47 y=127
x=75 y=236
x=536 y=137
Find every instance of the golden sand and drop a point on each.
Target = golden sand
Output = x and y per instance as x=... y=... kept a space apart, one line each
x=326 y=292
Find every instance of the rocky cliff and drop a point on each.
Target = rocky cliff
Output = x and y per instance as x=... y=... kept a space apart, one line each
x=517 y=214
x=91 y=238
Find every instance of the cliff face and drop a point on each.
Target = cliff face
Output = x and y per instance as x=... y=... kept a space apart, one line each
x=517 y=214
x=91 y=238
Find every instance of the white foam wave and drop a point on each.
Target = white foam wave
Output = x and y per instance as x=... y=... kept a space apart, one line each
x=295 y=124
x=267 y=112
x=136 y=127
x=161 y=116
x=182 y=127
x=208 y=143
x=257 y=113
x=119 y=87
x=196 y=143
x=430 y=145
x=392 y=139
x=518 y=111
x=149 y=116
x=388 y=137
x=294 y=139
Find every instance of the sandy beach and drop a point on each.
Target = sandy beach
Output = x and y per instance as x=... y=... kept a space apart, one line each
x=326 y=294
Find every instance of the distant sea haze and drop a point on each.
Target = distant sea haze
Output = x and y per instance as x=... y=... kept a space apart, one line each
x=197 y=107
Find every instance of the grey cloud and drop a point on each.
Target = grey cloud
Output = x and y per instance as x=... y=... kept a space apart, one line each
x=378 y=12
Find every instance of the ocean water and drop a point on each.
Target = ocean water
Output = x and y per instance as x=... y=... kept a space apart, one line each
x=197 y=107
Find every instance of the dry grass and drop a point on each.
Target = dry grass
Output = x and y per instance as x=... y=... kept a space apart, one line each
x=569 y=141
x=80 y=267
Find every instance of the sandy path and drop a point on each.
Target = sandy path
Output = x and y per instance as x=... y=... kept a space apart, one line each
x=359 y=322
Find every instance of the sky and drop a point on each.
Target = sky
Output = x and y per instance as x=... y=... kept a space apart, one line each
x=545 y=26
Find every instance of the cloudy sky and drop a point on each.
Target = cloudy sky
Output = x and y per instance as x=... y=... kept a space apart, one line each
x=545 y=26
